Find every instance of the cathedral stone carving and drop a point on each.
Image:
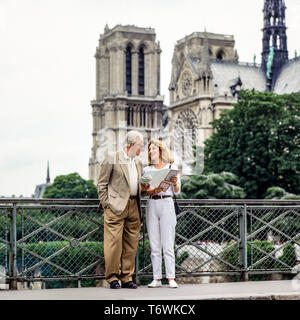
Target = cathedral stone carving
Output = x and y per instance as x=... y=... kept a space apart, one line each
x=186 y=83
x=185 y=134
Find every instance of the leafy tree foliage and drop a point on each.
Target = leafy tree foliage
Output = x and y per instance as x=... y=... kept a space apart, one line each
x=211 y=186
x=71 y=186
x=277 y=193
x=259 y=141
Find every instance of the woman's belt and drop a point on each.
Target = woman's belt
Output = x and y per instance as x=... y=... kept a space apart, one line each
x=156 y=197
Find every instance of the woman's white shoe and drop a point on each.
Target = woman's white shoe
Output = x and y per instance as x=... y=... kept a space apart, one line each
x=173 y=284
x=154 y=284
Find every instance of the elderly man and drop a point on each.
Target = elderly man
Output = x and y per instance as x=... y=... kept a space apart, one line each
x=120 y=195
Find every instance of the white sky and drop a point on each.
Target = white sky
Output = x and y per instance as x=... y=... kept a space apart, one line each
x=47 y=70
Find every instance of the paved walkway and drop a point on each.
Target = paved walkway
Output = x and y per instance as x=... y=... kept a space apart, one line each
x=269 y=290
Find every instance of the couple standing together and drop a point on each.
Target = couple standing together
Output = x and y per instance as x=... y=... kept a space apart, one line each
x=120 y=193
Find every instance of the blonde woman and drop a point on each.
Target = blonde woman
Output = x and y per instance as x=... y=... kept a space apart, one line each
x=160 y=215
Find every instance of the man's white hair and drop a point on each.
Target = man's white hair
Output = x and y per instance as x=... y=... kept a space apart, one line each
x=132 y=137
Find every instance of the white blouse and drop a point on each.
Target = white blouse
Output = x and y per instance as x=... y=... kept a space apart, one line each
x=169 y=191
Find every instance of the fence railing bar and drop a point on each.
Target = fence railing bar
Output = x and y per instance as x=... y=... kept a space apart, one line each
x=4 y=214
x=5 y=241
x=198 y=201
x=44 y=260
x=214 y=224
x=87 y=250
x=205 y=260
x=213 y=257
x=86 y=268
x=274 y=207
x=87 y=235
x=90 y=219
x=58 y=206
x=273 y=252
x=145 y=268
x=13 y=249
x=264 y=222
x=3 y=248
x=268 y=224
x=46 y=226
x=219 y=228
x=62 y=278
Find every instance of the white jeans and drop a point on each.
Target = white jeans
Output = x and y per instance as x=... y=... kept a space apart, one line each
x=161 y=221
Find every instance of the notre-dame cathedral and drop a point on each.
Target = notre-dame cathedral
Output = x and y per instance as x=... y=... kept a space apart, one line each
x=206 y=78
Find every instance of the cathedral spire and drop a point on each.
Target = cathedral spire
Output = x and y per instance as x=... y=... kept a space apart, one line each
x=48 y=174
x=275 y=53
x=205 y=51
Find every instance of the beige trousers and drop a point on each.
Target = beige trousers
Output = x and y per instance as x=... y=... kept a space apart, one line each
x=121 y=235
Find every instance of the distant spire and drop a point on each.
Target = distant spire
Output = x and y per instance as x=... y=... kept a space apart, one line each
x=206 y=51
x=274 y=38
x=48 y=174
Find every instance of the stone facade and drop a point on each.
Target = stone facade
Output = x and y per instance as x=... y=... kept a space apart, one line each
x=193 y=103
x=127 y=89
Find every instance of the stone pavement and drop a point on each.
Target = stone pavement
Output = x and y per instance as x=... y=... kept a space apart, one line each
x=266 y=290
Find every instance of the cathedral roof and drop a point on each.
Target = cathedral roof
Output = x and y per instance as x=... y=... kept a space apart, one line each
x=225 y=73
x=195 y=64
x=288 y=80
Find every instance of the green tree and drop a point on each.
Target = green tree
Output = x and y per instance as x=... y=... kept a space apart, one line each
x=259 y=141
x=71 y=186
x=280 y=194
x=211 y=186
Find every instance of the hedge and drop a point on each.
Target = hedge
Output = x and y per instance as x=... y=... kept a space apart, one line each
x=254 y=255
x=72 y=226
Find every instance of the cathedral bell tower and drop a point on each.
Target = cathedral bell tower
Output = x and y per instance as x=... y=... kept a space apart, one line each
x=275 y=53
x=127 y=89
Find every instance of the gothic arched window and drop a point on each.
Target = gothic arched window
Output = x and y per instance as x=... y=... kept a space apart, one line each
x=141 y=72
x=152 y=119
x=278 y=45
x=220 y=55
x=130 y=115
x=128 y=71
x=143 y=116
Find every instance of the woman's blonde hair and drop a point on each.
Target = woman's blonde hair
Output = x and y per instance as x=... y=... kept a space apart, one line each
x=164 y=152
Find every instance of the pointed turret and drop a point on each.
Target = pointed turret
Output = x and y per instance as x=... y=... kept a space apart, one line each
x=275 y=53
x=48 y=174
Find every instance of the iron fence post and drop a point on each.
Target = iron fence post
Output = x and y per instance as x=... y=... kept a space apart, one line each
x=243 y=243
x=13 y=249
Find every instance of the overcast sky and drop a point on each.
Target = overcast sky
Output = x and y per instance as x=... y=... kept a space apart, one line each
x=47 y=70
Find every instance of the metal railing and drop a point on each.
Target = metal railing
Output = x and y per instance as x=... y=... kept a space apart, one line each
x=62 y=240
